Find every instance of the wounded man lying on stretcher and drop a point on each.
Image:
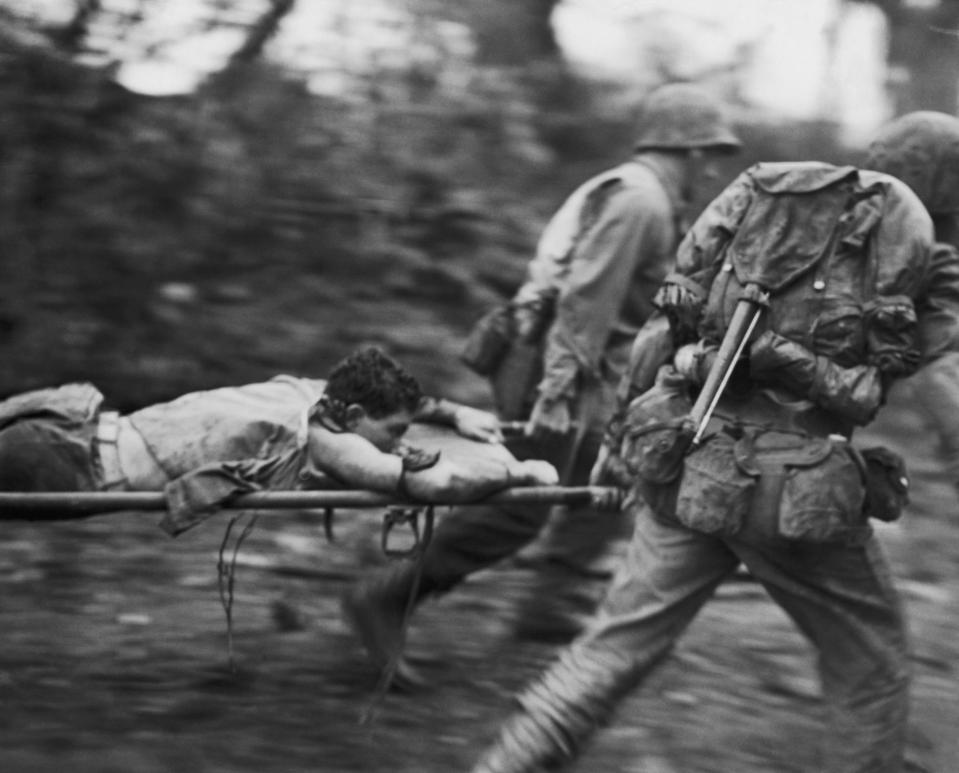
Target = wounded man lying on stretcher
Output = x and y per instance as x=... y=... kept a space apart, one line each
x=287 y=433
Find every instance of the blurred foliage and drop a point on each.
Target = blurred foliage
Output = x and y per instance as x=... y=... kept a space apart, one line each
x=923 y=53
x=506 y=32
x=156 y=246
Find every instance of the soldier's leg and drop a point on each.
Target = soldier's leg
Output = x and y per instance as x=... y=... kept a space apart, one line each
x=42 y=455
x=843 y=599
x=464 y=541
x=579 y=537
x=667 y=575
x=572 y=562
x=575 y=554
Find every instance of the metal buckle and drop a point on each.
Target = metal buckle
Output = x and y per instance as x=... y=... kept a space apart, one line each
x=404 y=515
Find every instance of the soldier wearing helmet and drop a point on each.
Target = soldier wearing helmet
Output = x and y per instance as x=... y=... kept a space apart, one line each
x=589 y=289
x=681 y=116
x=922 y=150
x=825 y=285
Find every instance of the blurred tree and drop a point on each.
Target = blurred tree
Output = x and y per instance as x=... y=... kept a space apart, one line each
x=506 y=32
x=258 y=33
x=924 y=53
x=157 y=245
x=72 y=36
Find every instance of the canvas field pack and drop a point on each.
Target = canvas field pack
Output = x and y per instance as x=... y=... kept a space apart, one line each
x=784 y=483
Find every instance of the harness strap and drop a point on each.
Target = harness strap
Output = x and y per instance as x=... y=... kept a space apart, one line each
x=106 y=451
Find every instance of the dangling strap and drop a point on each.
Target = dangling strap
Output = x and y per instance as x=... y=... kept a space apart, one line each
x=389 y=672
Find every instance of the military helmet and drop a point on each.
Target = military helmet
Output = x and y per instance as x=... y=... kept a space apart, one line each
x=922 y=150
x=682 y=116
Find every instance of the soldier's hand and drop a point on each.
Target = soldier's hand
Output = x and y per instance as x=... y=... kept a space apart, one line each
x=537 y=472
x=599 y=475
x=527 y=321
x=686 y=361
x=549 y=416
x=609 y=470
x=694 y=361
x=478 y=425
x=608 y=498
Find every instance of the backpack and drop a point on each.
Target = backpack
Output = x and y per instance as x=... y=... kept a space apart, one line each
x=809 y=236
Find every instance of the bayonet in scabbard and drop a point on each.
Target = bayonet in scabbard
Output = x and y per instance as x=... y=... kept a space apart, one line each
x=738 y=334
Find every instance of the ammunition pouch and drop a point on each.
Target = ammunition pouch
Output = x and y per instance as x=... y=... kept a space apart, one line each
x=514 y=381
x=807 y=489
x=891 y=335
x=887 y=483
x=489 y=341
x=782 y=477
x=714 y=494
x=510 y=353
x=777 y=485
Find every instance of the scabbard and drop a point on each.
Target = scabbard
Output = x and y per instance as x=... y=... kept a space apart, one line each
x=741 y=325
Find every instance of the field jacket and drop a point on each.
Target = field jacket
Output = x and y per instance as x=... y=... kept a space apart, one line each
x=607 y=250
x=858 y=294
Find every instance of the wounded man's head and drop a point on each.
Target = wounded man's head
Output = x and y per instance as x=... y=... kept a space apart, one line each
x=373 y=395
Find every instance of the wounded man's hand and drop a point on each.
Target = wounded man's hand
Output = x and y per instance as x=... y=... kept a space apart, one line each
x=478 y=425
x=536 y=472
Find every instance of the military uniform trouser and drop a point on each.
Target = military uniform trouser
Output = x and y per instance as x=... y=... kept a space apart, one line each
x=47 y=443
x=840 y=596
x=471 y=538
x=48 y=454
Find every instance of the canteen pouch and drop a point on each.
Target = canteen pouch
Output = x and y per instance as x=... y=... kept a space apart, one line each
x=656 y=461
x=809 y=489
x=488 y=341
x=514 y=380
x=887 y=483
x=656 y=437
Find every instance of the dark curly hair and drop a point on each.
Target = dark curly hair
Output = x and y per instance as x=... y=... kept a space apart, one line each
x=375 y=381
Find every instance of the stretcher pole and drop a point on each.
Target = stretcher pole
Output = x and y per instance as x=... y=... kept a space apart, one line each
x=91 y=502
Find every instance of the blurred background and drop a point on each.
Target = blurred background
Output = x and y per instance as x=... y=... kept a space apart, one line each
x=196 y=193
x=204 y=192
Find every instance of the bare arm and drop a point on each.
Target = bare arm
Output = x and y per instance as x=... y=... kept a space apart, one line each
x=352 y=460
x=469 y=422
x=345 y=459
x=357 y=463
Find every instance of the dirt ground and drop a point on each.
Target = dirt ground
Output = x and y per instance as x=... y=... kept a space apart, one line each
x=115 y=655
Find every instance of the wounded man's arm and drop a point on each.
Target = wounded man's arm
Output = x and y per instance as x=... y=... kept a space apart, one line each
x=343 y=459
x=356 y=463
x=470 y=422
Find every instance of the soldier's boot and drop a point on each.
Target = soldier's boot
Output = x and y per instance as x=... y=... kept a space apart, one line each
x=560 y=710
x=377 y=608
x=520 y=748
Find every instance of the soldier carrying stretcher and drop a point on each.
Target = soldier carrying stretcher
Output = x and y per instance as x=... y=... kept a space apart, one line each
x=854 y=293
x=287 y=433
